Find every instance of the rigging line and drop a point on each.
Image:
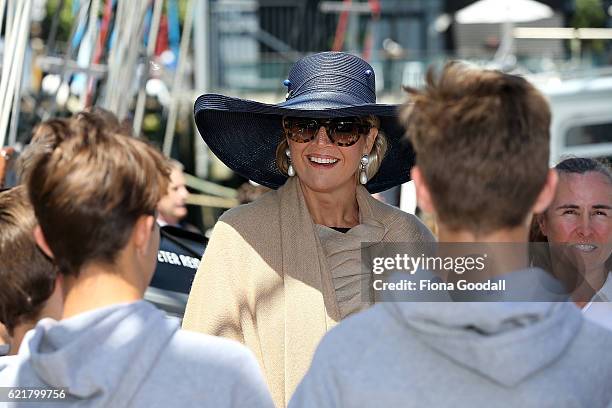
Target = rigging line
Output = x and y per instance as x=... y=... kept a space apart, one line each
x=20 y=30
x=176 y=86
x=69 y=55
x=151 y=43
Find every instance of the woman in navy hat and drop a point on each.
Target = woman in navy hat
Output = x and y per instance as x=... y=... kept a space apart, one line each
x=281 y=271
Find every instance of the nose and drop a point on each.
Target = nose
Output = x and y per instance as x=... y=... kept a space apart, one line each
x=322 y=136
x=184 y=193
x=584 y=228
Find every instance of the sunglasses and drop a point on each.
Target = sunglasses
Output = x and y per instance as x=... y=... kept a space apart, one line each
x=342 y=132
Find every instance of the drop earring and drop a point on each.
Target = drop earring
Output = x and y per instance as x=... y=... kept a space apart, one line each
x=363 y=173
x=290 y=170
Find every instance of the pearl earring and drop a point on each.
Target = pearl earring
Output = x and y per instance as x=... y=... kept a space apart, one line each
x=290 y=169
x=363 y=174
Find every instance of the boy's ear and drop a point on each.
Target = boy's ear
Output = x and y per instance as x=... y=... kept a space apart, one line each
x=41 y=241
x=547 y=194
x=143 y=228
x=422 y=191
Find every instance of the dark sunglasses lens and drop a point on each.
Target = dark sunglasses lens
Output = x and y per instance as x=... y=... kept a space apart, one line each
x=346 y=132
x=342 y=132
x=300 y=130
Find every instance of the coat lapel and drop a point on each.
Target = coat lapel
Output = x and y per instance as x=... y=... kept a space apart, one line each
x=305 y=313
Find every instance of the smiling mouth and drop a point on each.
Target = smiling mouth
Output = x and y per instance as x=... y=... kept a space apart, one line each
x=322 y=161
x=585 y=247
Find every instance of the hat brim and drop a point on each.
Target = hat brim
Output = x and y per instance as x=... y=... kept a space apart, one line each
x=244 y=134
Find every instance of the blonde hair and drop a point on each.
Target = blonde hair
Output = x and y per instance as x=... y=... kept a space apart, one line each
x=376 y=156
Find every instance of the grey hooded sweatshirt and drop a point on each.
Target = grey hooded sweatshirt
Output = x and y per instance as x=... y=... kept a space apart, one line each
x=132 y=355
x=505 y=354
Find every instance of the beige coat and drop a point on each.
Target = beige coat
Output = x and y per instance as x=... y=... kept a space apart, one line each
x=263 y=283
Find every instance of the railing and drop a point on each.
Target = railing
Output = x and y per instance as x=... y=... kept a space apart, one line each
x=215 y=195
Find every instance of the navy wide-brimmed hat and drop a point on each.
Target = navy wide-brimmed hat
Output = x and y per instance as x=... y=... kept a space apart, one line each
x=244 y=134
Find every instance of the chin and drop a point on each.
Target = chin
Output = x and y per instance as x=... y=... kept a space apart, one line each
x=325 y=184
x=180 y=214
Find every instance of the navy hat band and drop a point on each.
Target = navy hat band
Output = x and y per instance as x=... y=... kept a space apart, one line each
x=324 y=82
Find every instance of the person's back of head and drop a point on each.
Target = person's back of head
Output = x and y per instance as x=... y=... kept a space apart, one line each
x=49 y=134
x=28 y=277
x=89 y=191
x=482 y=147
x=95 y=195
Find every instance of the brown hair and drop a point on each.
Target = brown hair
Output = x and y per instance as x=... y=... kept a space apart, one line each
x=376 y=156
x=90 y=190
x=51 y=133
x=481 y=139
x=27 y=275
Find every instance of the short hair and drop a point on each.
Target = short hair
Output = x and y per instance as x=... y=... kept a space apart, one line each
x=481 y=139
x=45 y=139
x=376 y=156
x=27 y=275
x=90 y=190
x=47 y=135
x=581 y=165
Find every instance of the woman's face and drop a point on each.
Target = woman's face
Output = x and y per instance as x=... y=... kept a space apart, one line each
x=581 y=216
x=325 y=167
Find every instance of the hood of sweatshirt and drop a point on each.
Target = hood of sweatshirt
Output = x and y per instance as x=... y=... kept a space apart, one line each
x=102 y=355
x=6 y=360
x=504 y=341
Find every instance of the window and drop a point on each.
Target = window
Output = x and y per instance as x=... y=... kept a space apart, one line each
x=589 y=134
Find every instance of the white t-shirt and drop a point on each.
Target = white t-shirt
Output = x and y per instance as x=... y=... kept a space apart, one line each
x=599 y=309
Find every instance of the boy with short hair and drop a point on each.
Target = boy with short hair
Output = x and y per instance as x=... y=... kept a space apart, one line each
x=482 y=146
x=95 y=196
x=30 y=288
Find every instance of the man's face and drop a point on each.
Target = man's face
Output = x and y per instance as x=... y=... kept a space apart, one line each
x=172 y=207
x=581 y=216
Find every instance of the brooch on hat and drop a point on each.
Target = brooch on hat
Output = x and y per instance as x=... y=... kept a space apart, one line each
x=287 y=83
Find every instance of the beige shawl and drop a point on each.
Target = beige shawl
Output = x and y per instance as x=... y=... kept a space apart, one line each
x=263 y=282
